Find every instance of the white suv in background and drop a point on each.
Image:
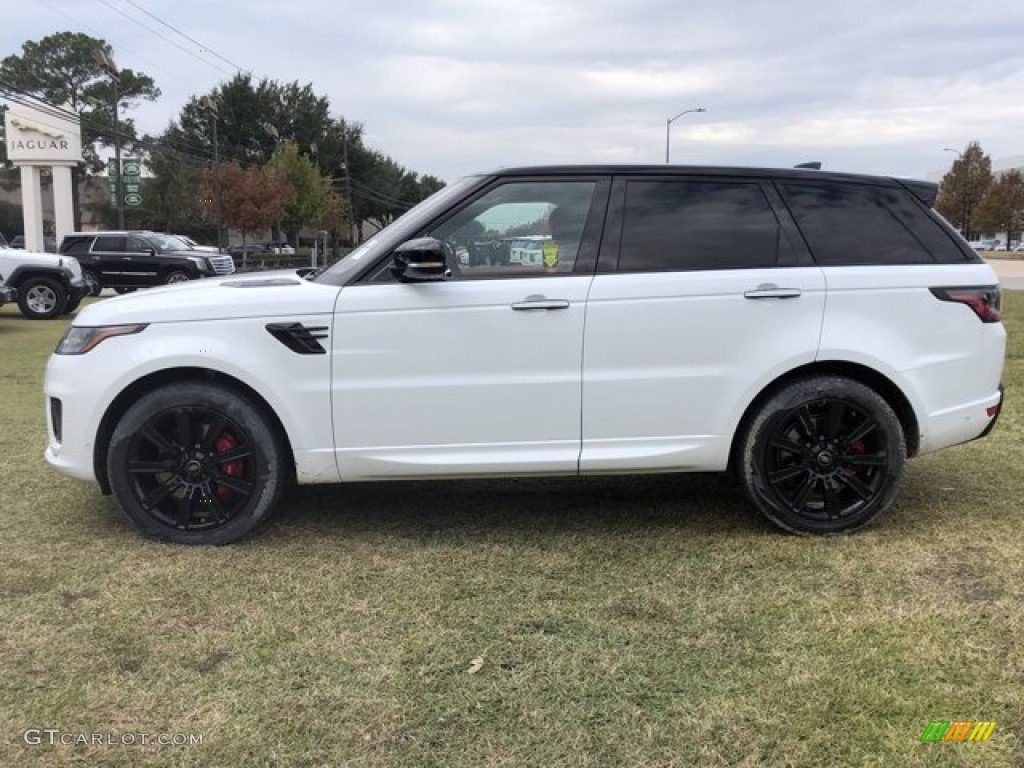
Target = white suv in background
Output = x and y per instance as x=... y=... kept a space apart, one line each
x=809 y=330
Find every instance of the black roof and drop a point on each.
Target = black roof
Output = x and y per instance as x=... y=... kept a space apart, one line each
x=923 y=190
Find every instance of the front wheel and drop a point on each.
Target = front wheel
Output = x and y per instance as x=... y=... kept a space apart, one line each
x=176 y=277
x=195 y=463
x=823 y=455
x=92 y=282
x=41 y=298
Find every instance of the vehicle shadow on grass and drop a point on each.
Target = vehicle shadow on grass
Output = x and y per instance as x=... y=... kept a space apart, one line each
x=502 y=507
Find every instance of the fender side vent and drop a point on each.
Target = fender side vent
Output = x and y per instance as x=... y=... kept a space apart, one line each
x=299 y=338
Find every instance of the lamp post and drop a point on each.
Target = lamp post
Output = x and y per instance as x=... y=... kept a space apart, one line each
x=107 y=64
x=668 y=127
x=966 y=172
x=212 y=106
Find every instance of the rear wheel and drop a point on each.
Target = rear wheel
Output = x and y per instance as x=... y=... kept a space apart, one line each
x=72 y=304
x=195 y=463
x=823 y=455
x=41 y=298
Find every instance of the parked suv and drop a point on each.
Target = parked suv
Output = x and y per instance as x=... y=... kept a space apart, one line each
x=809 y=330
x=47 y=285
x=137 y=259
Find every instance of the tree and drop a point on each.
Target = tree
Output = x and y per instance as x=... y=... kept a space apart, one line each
x=307 y=203
x=963 y=187
x=253 y=118
x=174 y=194
x=1002 y=208
x=250 y=199
x=61 y=69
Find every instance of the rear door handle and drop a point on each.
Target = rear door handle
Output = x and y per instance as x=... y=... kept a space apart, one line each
x=535 y=302
x=772 y=291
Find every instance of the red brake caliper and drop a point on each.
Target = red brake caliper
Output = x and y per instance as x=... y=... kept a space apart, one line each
x=226 y=442
x=860 y=449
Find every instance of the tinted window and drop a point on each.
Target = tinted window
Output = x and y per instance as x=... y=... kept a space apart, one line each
x=682 y=225
x=848 y=225
x=927 y=227
x=107 y=243
x=80 y=245
x=138 y=245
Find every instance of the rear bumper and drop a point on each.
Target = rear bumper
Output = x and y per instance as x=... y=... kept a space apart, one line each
x=8 y=294
x=995 y=416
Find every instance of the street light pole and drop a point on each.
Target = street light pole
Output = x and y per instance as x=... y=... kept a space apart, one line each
x=965 y=169
x=668 y=128
x=107 y=64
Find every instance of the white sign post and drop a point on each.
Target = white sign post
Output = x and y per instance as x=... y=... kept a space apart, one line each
x=37 y=139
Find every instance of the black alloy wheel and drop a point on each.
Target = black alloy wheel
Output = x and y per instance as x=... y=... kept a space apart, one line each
x=824 y=455
x=195 y=463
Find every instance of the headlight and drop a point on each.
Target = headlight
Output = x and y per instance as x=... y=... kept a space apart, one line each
x=78 y=340
x=200 y=263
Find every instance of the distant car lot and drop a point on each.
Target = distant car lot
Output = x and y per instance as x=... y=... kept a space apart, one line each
x=1010 y=271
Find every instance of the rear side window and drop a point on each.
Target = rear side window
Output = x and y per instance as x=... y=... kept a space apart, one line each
x=697 y=225
x=107 y=243
x=847 y=225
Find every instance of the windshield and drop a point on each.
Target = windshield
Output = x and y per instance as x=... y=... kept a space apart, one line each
x=169 y=243
x=397 y=232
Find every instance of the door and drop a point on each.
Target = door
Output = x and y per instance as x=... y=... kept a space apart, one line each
x=478 y=374
x=705 y=294
x=108 y=257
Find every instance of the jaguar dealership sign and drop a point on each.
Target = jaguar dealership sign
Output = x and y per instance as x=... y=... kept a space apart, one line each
x=43 y=137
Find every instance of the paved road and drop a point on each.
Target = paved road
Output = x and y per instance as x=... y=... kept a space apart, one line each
x=1011 y=273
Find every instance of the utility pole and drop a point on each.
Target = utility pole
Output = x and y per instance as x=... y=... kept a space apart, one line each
x=348 y=189
x=210 y=105
x=107 y=65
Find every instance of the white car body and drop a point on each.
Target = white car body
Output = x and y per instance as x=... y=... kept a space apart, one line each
x=560 y=373
x=626 y=386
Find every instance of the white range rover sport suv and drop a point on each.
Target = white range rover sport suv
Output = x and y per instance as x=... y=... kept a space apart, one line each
x=810 y=331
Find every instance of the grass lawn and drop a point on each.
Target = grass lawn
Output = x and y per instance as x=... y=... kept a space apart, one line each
x=645 y=621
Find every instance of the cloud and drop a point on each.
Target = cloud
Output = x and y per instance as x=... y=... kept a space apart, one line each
x=452 y=86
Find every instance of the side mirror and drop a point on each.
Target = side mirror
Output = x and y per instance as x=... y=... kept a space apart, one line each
x=423 y=260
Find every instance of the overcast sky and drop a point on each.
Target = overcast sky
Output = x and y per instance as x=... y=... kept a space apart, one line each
x=448 y=87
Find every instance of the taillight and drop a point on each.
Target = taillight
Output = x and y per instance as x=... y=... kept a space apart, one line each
x=985 y=300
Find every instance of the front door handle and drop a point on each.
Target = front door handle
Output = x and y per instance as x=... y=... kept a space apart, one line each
x=772 y=291
x=535 y=302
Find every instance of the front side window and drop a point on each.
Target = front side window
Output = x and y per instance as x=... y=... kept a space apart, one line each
x=846 y=225
x=108 y=243
x=684 y=224
x=519 y=228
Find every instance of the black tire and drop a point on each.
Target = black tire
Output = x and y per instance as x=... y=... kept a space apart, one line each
x=72 y=304
x=823 y=455
x=177 y=276
x=93 y=281
x=41 y=298
x=123 y=289
x=196 y=463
